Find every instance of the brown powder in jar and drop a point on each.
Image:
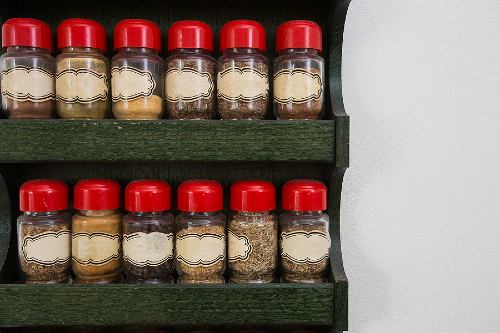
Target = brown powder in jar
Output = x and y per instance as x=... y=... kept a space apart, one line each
x=101 y=223
x=304 y=272
x=200 y=108
x=146 y=108
x=238 y=109
x=14 y=109
x=201 y=273
x=261 y=235
x=38 y=273
x=309 y=110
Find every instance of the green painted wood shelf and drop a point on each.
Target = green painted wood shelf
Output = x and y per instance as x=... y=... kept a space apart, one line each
x=175 y=151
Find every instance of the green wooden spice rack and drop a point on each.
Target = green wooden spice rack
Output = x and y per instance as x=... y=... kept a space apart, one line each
x=176 y=151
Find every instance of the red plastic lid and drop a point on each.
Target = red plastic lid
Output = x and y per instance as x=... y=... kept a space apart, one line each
x=199 y=196
x=299 y=34
x=243 y=33
x=43 y=195
x=304 y=195
x=26 y=32
x=80 y=32
x=148 y=196
x=137 y=33
x=190 y=34
x=253 y=196
x=97 y=194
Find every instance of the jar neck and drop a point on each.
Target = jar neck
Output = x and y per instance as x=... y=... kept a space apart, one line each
x=27 y=49
x=310 y=52
x=74 y=49
x=192 y=51
x=262 y=213
x=148 y=214
x=43 y=214
x=306 y=213
x=242 y=50
x=105 y=212
x=137 y=50
x=201 y=214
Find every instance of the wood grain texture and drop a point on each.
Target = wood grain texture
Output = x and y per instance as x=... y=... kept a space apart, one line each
x=166 y=140
x=277 y=304
x=4 y=221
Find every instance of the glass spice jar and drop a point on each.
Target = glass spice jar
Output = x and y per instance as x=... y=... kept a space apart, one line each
x=190 y=75
x=200 y=240
x=137 y=71
x=82 y=84
x=97 y=230
x=242 y=79
x=27 y=69
x=148 y=233
x=252 y=232
x=304 y=236
x=299 y=71
x=44 y=232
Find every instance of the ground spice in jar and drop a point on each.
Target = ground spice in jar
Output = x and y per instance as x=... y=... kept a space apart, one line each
x=27 y=69
x=200 y=243
x=190 y=75
x=82 y=70
x=304 y=236
x=242 y=79
x=148 y=233
x=97 y=229
x=299 y=74
x=252 y=233
x=44 y=232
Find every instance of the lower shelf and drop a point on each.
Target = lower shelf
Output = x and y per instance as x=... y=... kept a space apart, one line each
x=106 y=305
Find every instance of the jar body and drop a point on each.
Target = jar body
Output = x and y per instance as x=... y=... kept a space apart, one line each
x=242 y=84
x=44 y=246
x=28 y=87
x=298 y=84
x=190 y=85
x=304 y=246
x=148 y=247
x=252 y=247
x=200 y=247
x=82 y=84
x=137 y=84
x=96 y=246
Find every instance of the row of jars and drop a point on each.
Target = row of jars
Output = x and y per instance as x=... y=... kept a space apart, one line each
x=77 y=84
x=148 y=245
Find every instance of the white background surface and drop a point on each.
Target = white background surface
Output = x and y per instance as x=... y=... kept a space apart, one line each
x=421 y=204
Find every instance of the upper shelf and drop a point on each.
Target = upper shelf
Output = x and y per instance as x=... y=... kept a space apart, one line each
x=166 y=140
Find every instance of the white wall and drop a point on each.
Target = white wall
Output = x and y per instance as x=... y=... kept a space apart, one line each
x=421 y=203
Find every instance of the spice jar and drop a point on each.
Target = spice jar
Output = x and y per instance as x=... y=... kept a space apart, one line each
x=304 y=238
x=44 y=231
x=242 y=79
x=148 y=232
x=27 y=69
x=82 y=84
x=190 y=76
x=200 y=243
x=299 y=71
x=137 y=71
x=97 y=229
x=252 y=232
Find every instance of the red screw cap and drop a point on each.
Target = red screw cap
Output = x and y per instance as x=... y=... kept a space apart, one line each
x=253 y=196
x=148 y=196
x=137 y=33
x=190 y=34
x=43 y=195
x=199 y=196
x=97 y=194
x=304 y=195
x=299 y=34
x=78 y=32
x=244 y=34
x=26 y=32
